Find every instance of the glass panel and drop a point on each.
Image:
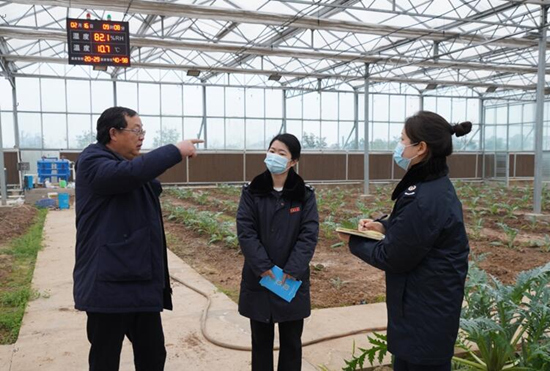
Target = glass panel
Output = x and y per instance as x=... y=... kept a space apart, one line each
x=272 y=128
x=490 y=116
x=55 y=131
x=80 y=131
x=528 y=137
x=413 y=105
x=215 y=134
x=516 y=113
x=235 y=137
x=78 y=96
x=329 y=131
x=192 y=100
x=380 y=107
x=8 y=130
x=473 y=110
x=28 y=94
x=254 y=103
x=255 y=134
x=395 y=135
x=294 y=127
x=191 y=129
x=397 y=111
x=6 y=102
x=346 y=106
x=312 y=105
x=329 y=106
x=500 y=139
x=459 y=111
x=430 y=104
x=515 y=138
x=502 y=115
x=215 y=101
x=347 y=135
x=312 y=137
x=149 y=99
x=444 y=108
x=30 y=132
x=234 y=102
x=151 y=124
x=379 y=136
x=294 y=107
x=490 y=138
x=171 y=130
x=103 y=96
x=274 y=103
x=53 y=102
x=171 y=101
x=529 y=112
x=126 y=94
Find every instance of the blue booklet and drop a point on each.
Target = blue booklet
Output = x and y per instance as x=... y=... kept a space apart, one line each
x=286 y=291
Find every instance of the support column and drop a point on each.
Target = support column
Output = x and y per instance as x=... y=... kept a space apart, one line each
x=366 y=128
x=3 y=180
x=541 y=82
x=482 y=135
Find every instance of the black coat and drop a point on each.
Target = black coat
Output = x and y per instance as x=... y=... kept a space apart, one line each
x=276 y=228
x=121 y=258
x=425 y=257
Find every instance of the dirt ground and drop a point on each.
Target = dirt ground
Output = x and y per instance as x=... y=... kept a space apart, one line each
x=14 y=221
x=337 y=277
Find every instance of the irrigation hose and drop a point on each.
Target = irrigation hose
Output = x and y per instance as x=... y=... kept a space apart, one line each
x=204 y=317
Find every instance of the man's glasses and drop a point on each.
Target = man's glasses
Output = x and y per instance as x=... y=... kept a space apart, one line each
x=137 y=132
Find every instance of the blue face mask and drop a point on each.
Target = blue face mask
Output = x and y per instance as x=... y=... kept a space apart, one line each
x=401 y=161
x=276 y=164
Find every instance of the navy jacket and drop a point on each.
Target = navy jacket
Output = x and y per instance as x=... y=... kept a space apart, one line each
x=121 y=258
x=425 y=257
x=276 y=228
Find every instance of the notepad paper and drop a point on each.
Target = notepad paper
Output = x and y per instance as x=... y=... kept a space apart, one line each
x=287 y=290
x=373 y=235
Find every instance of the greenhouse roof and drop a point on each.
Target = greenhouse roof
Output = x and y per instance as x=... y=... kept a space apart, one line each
x=488 y=47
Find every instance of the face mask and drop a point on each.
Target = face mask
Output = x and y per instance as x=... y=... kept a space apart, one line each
x=401 y=161
x=276 y=164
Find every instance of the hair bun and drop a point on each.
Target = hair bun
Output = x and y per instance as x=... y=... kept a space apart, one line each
x=462 y=129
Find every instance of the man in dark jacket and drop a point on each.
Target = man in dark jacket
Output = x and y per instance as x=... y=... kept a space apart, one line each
x=121 y=274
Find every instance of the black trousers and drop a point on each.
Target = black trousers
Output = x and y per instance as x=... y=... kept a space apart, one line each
x=402 y=365
x=106 y=332
x=290 y=352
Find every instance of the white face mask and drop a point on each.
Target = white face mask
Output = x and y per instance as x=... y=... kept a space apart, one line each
x=276 y=164
x=401 y=161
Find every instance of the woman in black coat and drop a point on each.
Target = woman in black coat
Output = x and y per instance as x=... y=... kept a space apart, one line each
x=425 y=249
x=277 y=225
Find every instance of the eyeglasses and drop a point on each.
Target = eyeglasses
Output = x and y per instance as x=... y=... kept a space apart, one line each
x=137 y=132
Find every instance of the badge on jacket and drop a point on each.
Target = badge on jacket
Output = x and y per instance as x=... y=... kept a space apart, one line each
x=294 y=210
x=410 y=191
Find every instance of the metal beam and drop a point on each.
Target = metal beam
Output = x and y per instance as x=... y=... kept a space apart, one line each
x=539 y=125
x=249 y=71
x=275 y=19
x=167 y=44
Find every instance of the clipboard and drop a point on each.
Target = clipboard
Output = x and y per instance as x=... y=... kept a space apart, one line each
x=371 y=235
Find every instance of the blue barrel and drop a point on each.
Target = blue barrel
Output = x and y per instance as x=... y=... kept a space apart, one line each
x=28 y=182
x=63 y=200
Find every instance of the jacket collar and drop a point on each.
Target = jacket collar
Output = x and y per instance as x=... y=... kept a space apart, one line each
x=432 y=169
x=294 y=188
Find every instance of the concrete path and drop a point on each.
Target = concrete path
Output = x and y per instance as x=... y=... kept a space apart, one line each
x=53 y=334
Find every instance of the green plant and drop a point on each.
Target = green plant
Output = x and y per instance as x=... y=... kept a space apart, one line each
x=511 y=234
x=507 y=324
x=378 y=351
x=14 y=297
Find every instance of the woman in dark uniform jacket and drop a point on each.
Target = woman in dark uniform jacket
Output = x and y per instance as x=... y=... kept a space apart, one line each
x=425 y=251
x=277 y=224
